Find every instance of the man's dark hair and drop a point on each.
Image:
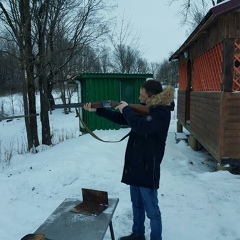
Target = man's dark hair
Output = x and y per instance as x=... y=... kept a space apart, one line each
x=152 y=87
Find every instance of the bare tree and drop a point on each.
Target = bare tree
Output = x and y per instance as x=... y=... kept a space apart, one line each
x=154 y=66
x=191 y=8
x=67 y=32
x=16 y=18
x=126 y=57
x=125 y=42
x=104 y=59
x=141 y=66
x=86 y=62
x=34 y=25
x=10 y=80
x=168 y=73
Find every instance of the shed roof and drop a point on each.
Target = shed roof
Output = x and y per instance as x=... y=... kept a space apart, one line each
x=223 y=8
x=112 y=75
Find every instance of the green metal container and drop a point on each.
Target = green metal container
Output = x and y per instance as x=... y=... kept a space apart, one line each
x=110 y=86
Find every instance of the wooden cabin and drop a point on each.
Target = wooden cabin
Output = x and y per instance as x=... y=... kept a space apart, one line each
x=209 y=83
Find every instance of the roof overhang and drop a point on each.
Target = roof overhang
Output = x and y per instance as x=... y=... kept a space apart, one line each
x=223 y=8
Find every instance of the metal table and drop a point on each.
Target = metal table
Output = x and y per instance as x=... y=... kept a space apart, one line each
x=65 y=225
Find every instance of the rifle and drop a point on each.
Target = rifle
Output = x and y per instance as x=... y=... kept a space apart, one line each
x=138 y=108
x=19 y=116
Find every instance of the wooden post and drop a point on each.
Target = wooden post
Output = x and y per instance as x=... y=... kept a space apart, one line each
x=193 y=142
x=228 y=64
x=179 y=127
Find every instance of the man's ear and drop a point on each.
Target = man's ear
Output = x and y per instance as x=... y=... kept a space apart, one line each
x=153 y=96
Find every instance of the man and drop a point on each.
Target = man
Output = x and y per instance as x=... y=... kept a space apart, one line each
x=144 y=153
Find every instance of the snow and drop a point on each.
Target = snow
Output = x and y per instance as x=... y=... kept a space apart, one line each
x=196 y=201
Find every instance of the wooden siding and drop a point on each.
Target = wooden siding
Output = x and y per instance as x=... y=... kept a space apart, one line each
x=214 y=122
x=229 y=144
x=182 y=60
x=223 y=27
x=205 y=119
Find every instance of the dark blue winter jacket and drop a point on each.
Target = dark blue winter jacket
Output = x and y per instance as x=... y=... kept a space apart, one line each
x=146 y=143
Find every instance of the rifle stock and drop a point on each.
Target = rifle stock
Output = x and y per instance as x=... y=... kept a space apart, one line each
x=142 y=110
x=138 y=108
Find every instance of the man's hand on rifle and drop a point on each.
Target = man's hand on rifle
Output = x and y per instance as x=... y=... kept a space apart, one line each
x=88 y=107
x=121 y=106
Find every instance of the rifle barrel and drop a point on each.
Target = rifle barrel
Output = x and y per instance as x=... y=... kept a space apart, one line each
x=70 y=105
x=138 y=108
x=102 y=104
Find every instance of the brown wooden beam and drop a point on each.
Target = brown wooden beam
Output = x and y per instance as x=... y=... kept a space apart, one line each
x=228 y=64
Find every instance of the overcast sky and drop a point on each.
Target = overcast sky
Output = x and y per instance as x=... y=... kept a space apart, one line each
x=158 y=25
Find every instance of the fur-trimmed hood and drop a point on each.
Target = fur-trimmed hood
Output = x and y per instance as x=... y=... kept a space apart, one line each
x=164 y=98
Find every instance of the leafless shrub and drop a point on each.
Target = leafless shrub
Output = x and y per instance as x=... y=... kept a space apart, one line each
x=6 y=154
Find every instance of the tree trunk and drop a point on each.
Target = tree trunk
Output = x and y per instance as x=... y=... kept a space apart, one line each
x=46 y=133
x=49 y=94
x=32 y=105
x=26 y=24
x=25 y=102
x=43 y=80
x=43 y=90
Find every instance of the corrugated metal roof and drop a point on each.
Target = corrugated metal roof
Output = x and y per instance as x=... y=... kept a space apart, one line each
x=113 y=75
x=223 y=8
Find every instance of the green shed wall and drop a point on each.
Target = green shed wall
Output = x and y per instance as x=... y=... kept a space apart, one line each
x=102 y=87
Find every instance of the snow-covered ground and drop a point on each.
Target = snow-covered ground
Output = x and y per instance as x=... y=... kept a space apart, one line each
x=196 y=201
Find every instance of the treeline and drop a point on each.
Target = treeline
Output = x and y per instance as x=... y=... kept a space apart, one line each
x=46 y=43
x=124 y=59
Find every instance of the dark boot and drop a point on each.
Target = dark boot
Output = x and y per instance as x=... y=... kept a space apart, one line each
x=132 y=237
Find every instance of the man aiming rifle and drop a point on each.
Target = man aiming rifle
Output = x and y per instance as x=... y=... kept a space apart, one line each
x=144 y=153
